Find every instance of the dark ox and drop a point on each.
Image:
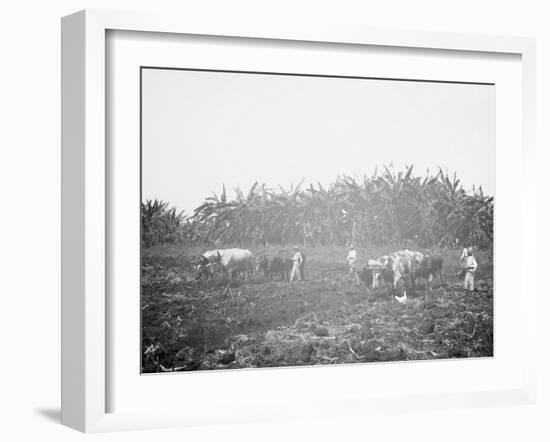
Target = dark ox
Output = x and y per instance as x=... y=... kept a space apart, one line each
x=430 y=266
x=276 y=265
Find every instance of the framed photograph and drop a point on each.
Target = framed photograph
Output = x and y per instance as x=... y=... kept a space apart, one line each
x=276 y=222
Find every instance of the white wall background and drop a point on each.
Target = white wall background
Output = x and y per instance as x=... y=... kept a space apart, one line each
x=30 y=220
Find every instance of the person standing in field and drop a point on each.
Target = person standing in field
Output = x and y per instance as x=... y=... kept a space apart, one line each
x=469 y=265
x=297 y=262
x=351 y=258
x=462 y=272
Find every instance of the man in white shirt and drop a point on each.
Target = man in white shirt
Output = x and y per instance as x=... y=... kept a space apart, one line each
x=469 y=264
x=297 y=261
x=351 y=258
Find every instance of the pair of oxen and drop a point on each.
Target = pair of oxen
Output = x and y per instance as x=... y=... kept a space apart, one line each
x=234 y=261
x=401 y=269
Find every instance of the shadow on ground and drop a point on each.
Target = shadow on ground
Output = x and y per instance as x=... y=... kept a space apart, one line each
x=51 y=414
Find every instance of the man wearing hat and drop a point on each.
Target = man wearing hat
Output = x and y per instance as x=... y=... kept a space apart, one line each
x=297 y=262
x=469 y=265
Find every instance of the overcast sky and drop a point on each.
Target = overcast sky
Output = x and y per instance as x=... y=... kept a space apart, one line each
x=203 y=129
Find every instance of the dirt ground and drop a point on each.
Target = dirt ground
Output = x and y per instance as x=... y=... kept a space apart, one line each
x=326 y=319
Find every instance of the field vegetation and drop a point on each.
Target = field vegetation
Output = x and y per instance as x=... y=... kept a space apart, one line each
x=380 y=209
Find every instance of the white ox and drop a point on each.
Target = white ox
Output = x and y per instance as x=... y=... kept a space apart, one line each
x=403 y=264
x=231 y=261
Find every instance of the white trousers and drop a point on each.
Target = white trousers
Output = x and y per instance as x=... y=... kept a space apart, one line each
x=295 y=271
x=469 y=281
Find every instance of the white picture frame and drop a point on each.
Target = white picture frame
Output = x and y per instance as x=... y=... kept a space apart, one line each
x=85 y=211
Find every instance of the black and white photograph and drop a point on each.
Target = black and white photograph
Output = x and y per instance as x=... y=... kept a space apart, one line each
x=298 y=220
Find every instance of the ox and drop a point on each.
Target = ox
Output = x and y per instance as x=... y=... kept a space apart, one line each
x=231 y=261
x=402 y=265
x=276 y=265
x=430 y=266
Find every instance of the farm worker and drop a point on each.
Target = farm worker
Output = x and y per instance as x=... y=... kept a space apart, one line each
x=469 y=264
x=351 y=258
x=297 y=261
x=462 y=271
